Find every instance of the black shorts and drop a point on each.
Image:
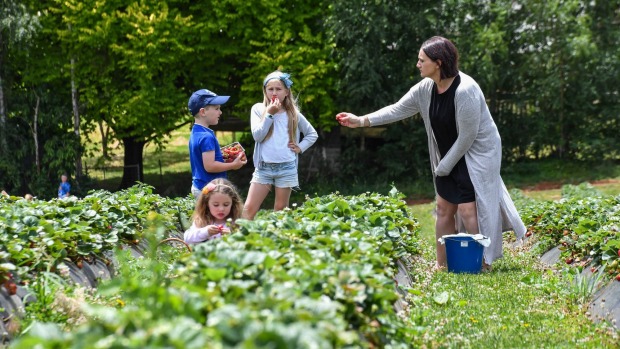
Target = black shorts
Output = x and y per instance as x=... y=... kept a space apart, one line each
x=456 y=187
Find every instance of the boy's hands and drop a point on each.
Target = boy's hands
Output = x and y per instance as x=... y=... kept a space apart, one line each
x=239 y=161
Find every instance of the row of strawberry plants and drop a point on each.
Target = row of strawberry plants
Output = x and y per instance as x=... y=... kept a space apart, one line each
x=38 y=235
x=318 y=276
x=587 y=228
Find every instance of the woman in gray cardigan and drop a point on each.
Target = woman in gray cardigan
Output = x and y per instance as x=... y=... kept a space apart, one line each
x=464 y=147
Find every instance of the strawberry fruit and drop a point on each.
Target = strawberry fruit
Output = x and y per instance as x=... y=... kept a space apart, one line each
x=232 y=151
x=11 y=287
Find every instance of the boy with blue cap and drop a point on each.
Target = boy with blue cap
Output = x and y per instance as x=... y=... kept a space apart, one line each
x=205 y=156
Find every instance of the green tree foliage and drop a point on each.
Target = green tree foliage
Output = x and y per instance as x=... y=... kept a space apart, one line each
x=37 y=146
x=377 y=45
x=130 y=68
x=548 y=69
x=139 y=62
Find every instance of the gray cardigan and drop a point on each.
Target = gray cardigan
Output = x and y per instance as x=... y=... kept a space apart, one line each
x=260 y=129
x=479 y=141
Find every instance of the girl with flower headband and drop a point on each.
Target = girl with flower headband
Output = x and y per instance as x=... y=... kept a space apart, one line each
x=217 y=208
x=277 y=126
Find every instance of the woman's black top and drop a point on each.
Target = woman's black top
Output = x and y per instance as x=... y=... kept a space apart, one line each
x=455 y=187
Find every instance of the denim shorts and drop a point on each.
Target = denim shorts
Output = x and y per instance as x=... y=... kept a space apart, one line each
x=282 y=175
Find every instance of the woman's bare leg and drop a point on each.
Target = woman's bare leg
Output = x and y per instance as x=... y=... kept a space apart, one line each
x=444 y=225
x=469 y=214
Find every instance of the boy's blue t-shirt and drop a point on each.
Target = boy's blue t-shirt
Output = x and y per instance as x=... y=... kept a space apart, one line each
x=64 y=188
x=202 y=139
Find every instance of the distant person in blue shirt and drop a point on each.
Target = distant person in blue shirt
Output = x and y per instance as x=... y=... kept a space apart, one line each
x=64 y=188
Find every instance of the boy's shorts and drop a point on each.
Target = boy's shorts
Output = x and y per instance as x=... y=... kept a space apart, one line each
x=282 y=175
x=196 y=192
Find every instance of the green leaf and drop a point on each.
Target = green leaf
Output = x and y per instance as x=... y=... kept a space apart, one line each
x=442 y=298
x=215 y=274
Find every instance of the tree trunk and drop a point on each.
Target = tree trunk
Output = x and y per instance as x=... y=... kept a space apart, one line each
x=35 y=135
x=3 y=144
x=76 y=119
x=104 y=140
x=132 y=170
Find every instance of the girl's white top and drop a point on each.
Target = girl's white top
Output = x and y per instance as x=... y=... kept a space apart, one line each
x=275 y=149
x=194 y=235
x=260 y=129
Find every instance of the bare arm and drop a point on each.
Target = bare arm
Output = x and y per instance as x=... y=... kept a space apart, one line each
x=213 y=166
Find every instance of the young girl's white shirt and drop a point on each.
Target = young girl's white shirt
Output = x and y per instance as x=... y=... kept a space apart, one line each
x=275 y=149
x=194 y=235
x=260 y=129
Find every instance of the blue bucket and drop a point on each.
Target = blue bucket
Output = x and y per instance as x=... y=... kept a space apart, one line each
x=464 y=254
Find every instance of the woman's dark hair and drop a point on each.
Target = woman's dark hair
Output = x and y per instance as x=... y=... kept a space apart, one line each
x=441 y=49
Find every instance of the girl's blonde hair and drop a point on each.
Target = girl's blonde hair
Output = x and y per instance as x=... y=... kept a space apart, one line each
x=202 y=216
x=289 y=104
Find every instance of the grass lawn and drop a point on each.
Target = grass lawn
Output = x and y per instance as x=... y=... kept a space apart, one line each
x=518 y=305
x=521 y=304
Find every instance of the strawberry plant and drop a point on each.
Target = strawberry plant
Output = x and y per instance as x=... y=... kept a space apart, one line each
x=319 y=276
x=586 y=228
x=37 y=235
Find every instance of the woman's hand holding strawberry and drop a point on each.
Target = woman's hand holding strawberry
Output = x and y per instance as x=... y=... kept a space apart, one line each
x=349 y=120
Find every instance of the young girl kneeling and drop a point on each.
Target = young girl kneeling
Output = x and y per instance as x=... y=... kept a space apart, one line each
x=217 y=208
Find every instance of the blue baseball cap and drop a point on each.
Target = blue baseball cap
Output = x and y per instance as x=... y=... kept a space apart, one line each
x=202 y=98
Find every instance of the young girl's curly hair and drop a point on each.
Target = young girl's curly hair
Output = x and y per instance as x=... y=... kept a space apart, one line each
x=202 y=216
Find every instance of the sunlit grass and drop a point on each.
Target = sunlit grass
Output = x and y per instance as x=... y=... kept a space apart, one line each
x=518 y=305
x=171 y=159
x=424 y=214
x=545 y=195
